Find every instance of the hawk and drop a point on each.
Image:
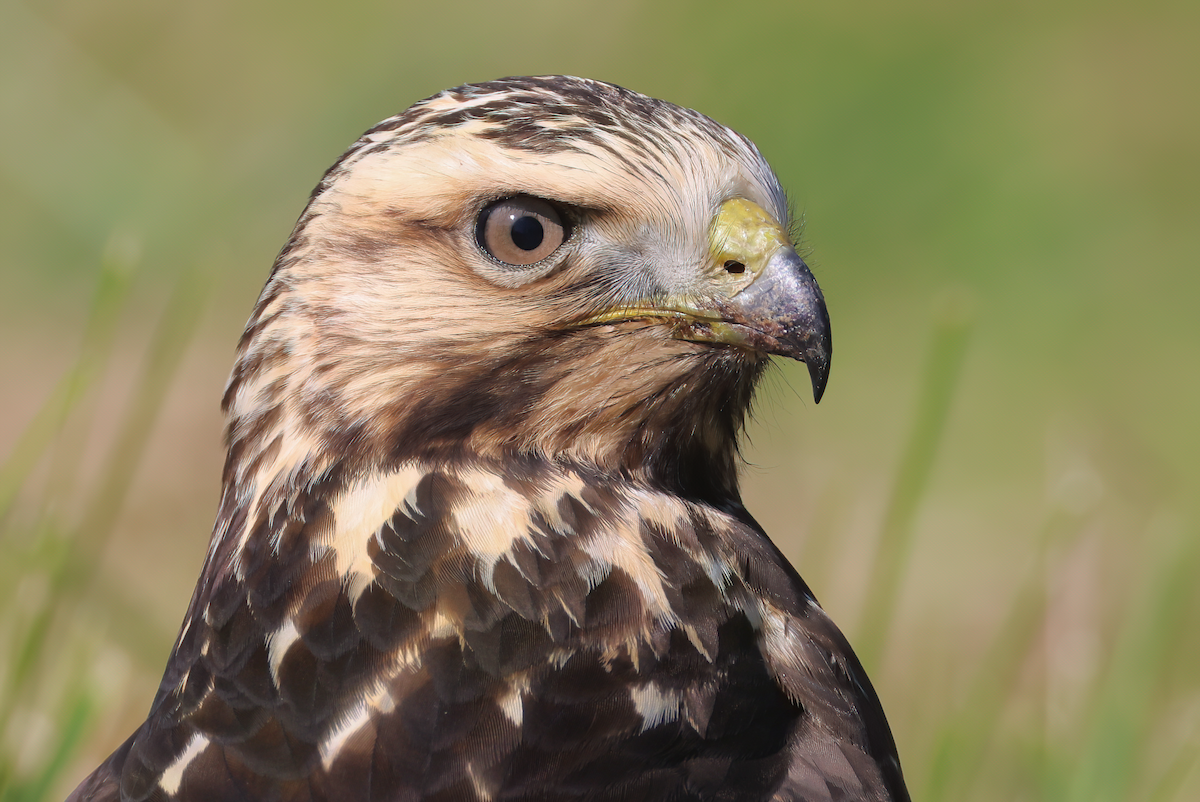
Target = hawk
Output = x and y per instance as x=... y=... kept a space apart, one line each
x=480 y=535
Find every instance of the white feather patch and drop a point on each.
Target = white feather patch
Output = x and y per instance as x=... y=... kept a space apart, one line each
x=359 y=512
x=491 y=521
x=278 y=642
x=378 y=701
x=171 y=779
x=655 y=705
x=512 y=704
x=621 y=546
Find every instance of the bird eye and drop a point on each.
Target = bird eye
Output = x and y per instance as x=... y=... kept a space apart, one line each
x=520 y=230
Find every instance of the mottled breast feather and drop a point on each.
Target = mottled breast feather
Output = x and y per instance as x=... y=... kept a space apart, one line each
x=471 y=548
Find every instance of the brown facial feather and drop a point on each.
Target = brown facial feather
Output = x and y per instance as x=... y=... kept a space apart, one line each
x=471 y=548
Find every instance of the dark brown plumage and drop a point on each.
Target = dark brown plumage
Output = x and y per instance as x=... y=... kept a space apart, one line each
x=481 y=536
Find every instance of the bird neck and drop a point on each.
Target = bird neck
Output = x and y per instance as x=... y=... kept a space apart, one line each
x=633 y=404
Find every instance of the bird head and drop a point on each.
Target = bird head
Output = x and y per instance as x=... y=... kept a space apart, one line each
x=548 y=266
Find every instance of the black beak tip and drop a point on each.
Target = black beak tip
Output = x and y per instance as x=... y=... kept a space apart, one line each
x=818 y=373
x=817 y=344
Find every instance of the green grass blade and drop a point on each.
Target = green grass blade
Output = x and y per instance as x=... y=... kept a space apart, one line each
x=952 y=327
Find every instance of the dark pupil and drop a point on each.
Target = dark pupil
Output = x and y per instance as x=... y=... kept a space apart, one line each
x=527 y=233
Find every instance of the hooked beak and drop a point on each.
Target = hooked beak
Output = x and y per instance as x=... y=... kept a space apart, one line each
x=768 y=301
x=758 y=295
x=783 y=312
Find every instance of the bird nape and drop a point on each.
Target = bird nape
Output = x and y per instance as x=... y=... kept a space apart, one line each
x=480 y=535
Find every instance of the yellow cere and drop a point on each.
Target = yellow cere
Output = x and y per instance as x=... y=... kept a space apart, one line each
x=744 y=232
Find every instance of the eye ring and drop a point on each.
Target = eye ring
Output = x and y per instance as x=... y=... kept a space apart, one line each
x=521 y=230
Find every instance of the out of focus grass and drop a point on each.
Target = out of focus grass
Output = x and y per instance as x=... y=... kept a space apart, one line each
x=998 y=499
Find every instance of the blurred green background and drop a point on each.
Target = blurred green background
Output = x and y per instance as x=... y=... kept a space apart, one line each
x=998 y=499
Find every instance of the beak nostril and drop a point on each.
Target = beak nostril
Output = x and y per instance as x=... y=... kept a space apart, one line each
x=734 y=266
